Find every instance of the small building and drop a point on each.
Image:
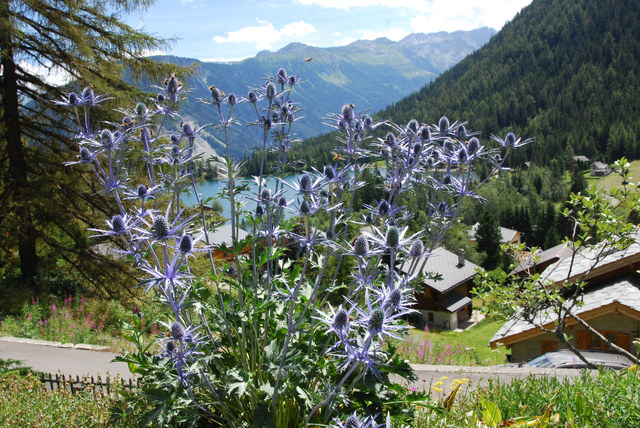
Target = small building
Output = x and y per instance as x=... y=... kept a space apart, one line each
x=610 y=305
x=600 y=169
x=506 y=235
x=221 y=241
x=444 y=300
x=581 y=160
x=540 y=260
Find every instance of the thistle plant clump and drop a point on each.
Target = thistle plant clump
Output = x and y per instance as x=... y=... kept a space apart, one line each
x=271 y=336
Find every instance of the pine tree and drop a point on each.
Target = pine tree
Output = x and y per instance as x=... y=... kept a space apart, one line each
x=45 y=205
x=488 y=238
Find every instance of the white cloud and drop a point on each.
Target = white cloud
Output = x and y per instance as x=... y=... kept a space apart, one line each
x=440 y=15
x=394 y=34
x=264 y=35
x=55 y=76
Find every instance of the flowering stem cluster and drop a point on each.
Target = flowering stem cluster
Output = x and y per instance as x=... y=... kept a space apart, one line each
x=270 y=341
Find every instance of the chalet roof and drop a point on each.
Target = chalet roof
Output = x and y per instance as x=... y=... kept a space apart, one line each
x=222 y=235
x=581 y=158
x=453 y=302
x=624 y=290
x=540 y=258
x=572 y=268
x=599 y=165
x=450 y=274
x=506 y=234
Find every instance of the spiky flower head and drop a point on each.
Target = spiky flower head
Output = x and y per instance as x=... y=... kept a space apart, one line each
x=252 y=97
x=383 y=207
x=425 y=133
x=413 y=126
x=85 y=154
x=443 y=125
x=305 y=208
x=87 y=93
x=259 y=211
x=142 y=191
x=270 y=90
x=390 y=139
x=106 y=138
x=306 y=182
x=394 y=298
x=177 y=331
x=376 y=321
x=473 y=145
x=265 y=195
x=282 y=76
x=341 y=319
x=73 y=99
x=393 y=237
x=216 y=94
x=117 y=223
x=367 y=121
x=282 y=202
x=232 y=99
x=329 y=172
x=361 y=246
x=160 y=227
x=347 y=112
x=172 y=86
x=160 y=98
x=416 y=249
x=352 y=422
x=186 y=244
x=141 y=109
x=510 y=139
x=461 y=132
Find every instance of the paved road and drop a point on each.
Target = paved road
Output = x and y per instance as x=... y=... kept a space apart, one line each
x=51 y=357
x=429 y=375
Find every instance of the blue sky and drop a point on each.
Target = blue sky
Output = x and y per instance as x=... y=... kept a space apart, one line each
x=214 y=30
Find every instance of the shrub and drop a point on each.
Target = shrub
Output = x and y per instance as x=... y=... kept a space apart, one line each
x=255 y=342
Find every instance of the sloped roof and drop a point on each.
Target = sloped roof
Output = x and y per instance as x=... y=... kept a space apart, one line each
x=540 y=258
x=222 y=235
x=506 y=234
x=623 y=290
x=453 y=302
x=572 y=268
x=445 y=264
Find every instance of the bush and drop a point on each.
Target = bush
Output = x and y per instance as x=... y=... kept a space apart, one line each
x=254 y=342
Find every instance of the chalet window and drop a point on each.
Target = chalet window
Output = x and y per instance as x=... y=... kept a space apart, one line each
x=430 y=316
x=586 y=340
x=548 y=346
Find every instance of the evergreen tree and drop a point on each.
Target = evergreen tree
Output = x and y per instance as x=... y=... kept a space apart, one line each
x=488 y=238
x=46 y=208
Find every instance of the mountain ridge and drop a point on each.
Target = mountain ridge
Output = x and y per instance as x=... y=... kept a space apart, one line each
x=368 y=73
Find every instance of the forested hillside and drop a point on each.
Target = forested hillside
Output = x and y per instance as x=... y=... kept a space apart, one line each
x=566 y=73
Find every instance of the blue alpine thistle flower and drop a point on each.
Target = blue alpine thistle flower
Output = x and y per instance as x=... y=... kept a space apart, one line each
x=347 y=113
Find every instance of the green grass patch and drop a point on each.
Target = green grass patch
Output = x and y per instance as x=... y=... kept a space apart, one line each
x=468 y=347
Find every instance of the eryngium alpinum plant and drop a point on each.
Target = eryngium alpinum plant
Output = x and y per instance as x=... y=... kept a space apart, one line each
x=256 y=342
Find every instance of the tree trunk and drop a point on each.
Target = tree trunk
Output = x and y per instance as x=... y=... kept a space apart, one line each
x=16 y=179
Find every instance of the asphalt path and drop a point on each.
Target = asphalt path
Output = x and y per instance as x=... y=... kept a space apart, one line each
x=81 y=360
x=66 y=359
